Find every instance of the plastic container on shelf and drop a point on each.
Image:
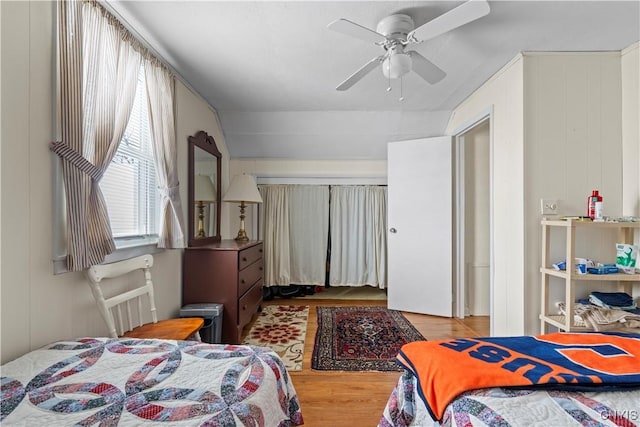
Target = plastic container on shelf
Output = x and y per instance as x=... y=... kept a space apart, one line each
x=626 y=257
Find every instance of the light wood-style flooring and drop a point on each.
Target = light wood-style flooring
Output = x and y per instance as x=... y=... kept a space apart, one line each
x=354 y=399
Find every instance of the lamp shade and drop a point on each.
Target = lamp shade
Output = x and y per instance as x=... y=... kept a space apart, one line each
x=204 y=191
x=243 y=188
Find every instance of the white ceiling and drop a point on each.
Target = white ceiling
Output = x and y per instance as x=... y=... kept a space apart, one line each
x=270 y=68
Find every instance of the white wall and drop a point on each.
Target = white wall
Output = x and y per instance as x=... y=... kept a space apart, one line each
x=192 y=115
x=1 y=138
x=38 y=307
x=573 y=133
x=15 y=146
x=631 y=130
x=630 y=65
x=557 y=133
x=503 y=92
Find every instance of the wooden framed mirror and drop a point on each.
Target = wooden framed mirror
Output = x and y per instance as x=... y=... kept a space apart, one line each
x=205 y=198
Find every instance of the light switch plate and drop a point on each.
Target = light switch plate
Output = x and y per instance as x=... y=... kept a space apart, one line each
x=549 y=206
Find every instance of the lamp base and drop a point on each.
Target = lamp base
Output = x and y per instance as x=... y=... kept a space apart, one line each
x=242 y=236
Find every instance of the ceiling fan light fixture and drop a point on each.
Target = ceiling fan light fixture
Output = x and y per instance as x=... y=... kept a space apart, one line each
x=396 y=32
x=396 y=66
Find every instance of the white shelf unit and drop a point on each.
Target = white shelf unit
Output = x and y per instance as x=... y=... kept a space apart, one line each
x=624 y=281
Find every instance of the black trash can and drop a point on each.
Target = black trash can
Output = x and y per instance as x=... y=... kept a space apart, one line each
x=211 y=331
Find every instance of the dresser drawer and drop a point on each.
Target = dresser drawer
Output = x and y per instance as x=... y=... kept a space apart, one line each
x=249 y=256
x=248 y=304
x=249 y=276
x=230 y=273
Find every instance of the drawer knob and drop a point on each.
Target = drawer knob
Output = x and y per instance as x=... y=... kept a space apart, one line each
x=260 y=268
x=244 y=307
x=244 y=258
x=242 y=281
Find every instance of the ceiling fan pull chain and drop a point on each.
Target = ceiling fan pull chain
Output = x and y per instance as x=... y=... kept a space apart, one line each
x=401 y=90
x=388 y=76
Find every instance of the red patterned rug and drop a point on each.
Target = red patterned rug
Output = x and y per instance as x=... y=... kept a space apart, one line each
x=360 y=338
x=283 y=329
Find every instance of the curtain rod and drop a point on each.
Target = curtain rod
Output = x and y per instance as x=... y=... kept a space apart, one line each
x=109 y=8
x=320 y=180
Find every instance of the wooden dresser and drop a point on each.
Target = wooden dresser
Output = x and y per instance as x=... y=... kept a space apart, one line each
x=229 y=273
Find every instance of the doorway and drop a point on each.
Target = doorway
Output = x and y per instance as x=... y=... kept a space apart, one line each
x=473 y=217
x=437 y=247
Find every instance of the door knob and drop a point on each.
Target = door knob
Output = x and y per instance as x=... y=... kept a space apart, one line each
x=393 y=230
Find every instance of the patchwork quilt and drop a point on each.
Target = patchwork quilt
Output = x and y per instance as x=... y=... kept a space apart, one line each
x=502 y=407
x=557 y=361
x=101 y=381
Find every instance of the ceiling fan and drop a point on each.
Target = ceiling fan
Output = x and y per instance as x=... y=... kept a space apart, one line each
x=396 y=32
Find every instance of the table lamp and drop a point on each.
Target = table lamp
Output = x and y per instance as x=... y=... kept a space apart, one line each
x=243 y=189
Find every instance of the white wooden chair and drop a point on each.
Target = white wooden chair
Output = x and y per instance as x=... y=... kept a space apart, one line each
x=133 y=326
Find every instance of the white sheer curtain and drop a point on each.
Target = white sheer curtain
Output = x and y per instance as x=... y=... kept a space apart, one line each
x=309 y=230
x=274 y=231
x=98 y=76
x=160 y=98
x=294 y=225
x=358 y=236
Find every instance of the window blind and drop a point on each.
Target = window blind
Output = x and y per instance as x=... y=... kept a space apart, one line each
x=129 y=185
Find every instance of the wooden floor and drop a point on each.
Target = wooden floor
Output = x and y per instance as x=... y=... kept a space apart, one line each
x=339 y=398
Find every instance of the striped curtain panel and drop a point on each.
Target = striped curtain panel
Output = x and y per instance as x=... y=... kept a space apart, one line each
x=160 y=91
x=98 y=77
x=358 y=236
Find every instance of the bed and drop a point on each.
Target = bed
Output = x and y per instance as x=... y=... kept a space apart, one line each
x=104 y=381
x=558 y=379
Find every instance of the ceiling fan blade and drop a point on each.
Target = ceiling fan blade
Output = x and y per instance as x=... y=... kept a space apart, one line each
x=463 y=14
x=352 y=29
x=425 y=68
x=363 y=71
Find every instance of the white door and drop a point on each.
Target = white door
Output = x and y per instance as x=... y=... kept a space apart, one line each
x=419 y=218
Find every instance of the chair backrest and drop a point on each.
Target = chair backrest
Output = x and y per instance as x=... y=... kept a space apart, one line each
x=117 y=303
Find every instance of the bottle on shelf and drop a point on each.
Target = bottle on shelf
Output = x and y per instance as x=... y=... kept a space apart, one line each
x=594 y=205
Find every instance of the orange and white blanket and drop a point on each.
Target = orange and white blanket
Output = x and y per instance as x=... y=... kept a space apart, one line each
x=567 y=361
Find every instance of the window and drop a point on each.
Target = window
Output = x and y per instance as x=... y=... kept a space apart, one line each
x=129 y=185
x=133 y=215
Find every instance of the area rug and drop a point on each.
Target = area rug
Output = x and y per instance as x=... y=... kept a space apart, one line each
x=360 y=338
x=281 y=328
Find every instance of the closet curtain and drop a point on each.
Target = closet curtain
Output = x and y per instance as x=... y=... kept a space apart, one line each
x=98 y=77
x=294 y=225
x=274 y=233
x=358 y=236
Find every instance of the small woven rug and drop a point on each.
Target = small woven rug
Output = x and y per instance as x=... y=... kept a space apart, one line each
x=282 y=328
x=360 y=338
